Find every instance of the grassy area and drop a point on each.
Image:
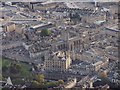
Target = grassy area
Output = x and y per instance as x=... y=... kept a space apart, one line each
x=0 y=63
x=5 y=62
x=18 y=81
x=24 y=71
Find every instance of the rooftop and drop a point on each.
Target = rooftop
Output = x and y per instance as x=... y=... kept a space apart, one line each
x=57 y=56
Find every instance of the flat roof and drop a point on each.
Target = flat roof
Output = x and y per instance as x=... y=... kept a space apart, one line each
x=40 y=25
x=112 y=28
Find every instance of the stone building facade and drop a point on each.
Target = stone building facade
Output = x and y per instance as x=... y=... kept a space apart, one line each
x=58 y=61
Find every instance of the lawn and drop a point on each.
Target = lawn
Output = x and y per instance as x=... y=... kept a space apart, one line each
x=5 y=62
x=0 y=63
x=24 y=71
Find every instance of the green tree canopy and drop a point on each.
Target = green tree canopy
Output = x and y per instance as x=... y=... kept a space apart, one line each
x=60 y=81
x=40 y=78
x=45 y=32
x=1 y=77
x=52 y=84
x=35 y=83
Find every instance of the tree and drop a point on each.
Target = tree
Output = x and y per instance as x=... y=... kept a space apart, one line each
x=52 y=84
x=75 y=16
x=4 y=68
x=35 y=83
x=45 y=32
x=39 y=82
x=60 y=81
x=40 y=78
x=18 y=66
x=15 y=68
